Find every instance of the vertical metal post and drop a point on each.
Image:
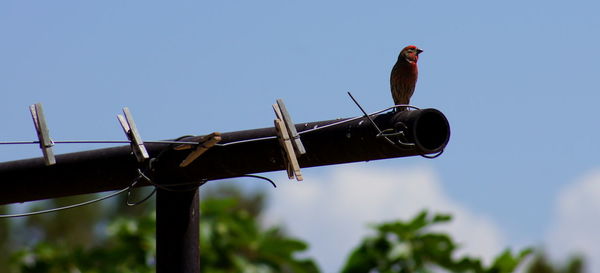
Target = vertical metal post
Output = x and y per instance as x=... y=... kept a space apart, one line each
x=177 y=231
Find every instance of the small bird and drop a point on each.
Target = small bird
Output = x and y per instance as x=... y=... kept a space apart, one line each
x=404 y=75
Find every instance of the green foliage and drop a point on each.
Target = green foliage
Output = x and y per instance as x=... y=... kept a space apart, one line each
x=541 y=264
x=410 y=247
x=129 y=248
x=231 y=240
x=5 y=240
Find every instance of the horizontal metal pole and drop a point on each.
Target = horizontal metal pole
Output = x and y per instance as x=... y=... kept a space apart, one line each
x=239 y=153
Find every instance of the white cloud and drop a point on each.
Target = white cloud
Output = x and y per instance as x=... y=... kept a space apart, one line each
x=332 y=212
x=577 y=221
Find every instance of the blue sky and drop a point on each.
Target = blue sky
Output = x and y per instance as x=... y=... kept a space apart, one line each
x=518 y=81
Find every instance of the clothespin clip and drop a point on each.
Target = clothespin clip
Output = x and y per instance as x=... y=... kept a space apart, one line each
x=37 y=113
x=205 y=143
x=291 y=128
x=128 y=125
x=290 y=159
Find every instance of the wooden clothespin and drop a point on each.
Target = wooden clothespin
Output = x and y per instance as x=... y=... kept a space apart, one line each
x=128 y=125
x=205 y=143
x=291 y=128
x=290 y=159
x=37 y=113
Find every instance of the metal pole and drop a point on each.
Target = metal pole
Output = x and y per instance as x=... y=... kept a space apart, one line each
x=115 y=168
x=177 y=231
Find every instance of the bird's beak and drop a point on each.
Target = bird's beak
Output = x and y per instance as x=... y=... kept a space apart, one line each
x=419 y=51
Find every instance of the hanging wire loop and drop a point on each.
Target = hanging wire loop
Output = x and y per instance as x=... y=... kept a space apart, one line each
x=387 y=133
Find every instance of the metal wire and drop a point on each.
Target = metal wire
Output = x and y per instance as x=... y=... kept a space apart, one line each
x=65 y=207
x=196 y=143
x=433 y=156
x=355 y=118
x=365 y=113
x=261 y=177
x=171 y=187
x=401 y=133
x=127 y=189
x=371 y=120
x=380 y=133
x=129 y=194
x=19 y=142
x=245 y=140
x=101 y=142
x=317 y=128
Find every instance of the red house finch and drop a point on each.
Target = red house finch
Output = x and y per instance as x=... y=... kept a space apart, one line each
x=404 y=75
